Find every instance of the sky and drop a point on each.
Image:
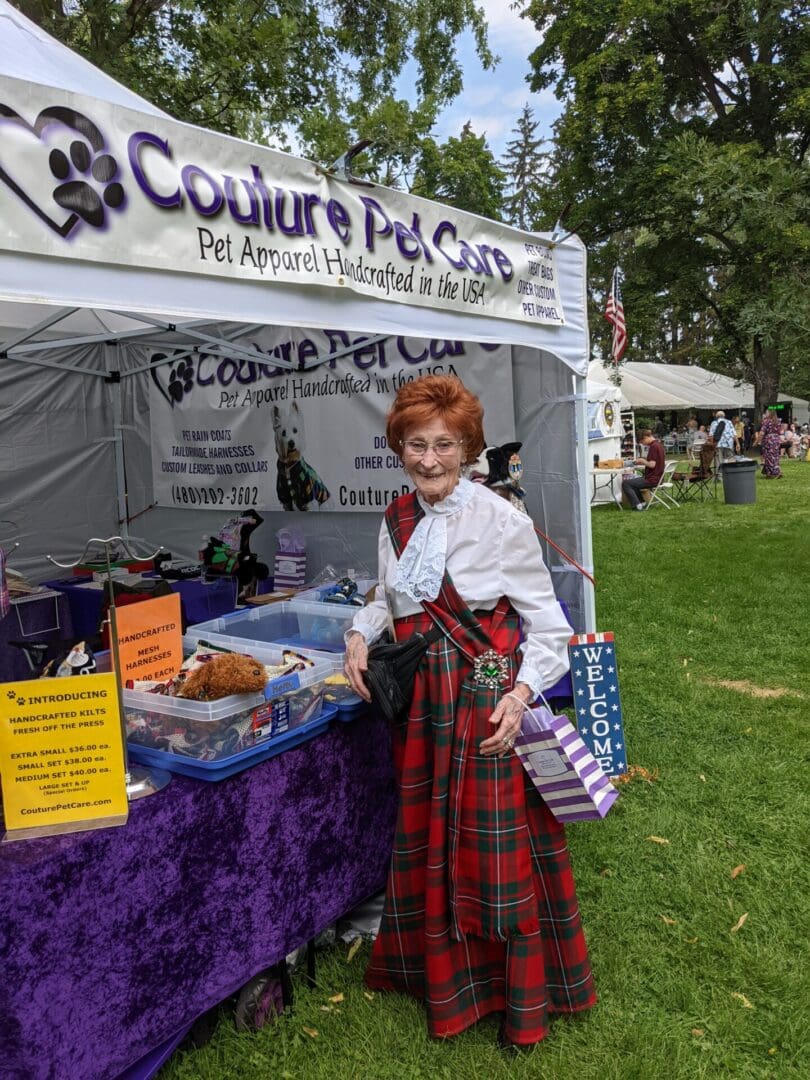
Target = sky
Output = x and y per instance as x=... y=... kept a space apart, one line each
x=493 y=100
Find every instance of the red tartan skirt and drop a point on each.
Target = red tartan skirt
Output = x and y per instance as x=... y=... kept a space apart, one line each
x=480 y=911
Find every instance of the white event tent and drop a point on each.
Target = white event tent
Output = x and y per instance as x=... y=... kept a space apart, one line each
x=665 y=387
x=605 y=430
x=131 y=256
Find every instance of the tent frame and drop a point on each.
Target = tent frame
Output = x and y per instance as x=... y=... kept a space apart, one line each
x=188 y=314
x=23 y=348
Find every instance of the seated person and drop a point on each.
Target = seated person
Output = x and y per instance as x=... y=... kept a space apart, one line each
x=793 y=441
x=653 y=471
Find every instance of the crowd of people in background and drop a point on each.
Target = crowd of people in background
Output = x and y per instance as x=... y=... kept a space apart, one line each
x=726 y=437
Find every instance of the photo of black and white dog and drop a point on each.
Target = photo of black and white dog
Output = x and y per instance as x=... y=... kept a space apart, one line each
x=297 y=483
x=500 y=468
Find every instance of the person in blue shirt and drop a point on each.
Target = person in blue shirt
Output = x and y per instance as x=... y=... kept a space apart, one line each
x=722 y=431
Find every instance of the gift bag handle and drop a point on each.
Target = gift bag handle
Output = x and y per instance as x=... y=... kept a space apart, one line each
x=512 y=694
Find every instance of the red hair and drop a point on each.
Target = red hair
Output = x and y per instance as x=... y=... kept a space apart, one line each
x=438 y=397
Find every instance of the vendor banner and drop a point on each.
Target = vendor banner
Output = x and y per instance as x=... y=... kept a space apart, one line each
x=84 y=179
x=238 y=433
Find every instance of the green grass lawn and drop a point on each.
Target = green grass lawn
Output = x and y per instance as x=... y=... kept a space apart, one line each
x=699 y=596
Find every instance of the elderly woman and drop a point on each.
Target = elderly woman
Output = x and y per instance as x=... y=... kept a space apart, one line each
x=769 y=438
x=480 y=914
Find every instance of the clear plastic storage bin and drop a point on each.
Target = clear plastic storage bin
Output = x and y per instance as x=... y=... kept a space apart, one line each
x=216 y=730
x=317 y=593
x=222 y=768
x=298 y=624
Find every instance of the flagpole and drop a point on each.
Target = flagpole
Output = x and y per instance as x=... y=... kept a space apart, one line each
x=584 y=493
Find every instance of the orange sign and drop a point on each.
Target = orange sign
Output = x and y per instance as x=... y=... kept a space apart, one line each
x=150 y=639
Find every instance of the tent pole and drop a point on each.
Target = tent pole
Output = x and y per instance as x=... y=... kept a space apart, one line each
x=114 y=369
x=584 y=491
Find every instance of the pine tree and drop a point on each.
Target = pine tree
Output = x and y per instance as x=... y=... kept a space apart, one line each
x=526 y=166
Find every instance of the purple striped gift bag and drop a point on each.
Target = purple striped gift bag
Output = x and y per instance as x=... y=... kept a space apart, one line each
x=562 y=768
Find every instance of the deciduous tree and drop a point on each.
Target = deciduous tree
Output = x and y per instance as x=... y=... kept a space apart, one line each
x=262 y=67
x=684 y=142
x=461 y=172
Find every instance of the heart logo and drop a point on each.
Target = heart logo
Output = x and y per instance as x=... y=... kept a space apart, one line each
x=87 y=186
x=181 y=377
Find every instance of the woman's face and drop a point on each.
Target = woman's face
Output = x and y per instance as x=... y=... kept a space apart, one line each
x=435 y=472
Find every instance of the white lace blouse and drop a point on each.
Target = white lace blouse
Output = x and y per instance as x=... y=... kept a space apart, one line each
x=490 y=550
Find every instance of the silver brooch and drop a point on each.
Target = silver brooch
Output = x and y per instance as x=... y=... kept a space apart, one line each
x=491 y=669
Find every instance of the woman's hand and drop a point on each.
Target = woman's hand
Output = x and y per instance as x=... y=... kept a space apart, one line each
x=507 y=718
x=356 y=664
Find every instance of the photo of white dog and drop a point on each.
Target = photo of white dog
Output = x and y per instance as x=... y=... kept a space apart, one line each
x=297 y=483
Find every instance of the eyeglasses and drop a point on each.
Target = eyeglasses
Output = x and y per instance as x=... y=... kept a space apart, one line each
x=441 y=448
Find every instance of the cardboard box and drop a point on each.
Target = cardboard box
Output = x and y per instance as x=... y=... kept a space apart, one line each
x=268 y=598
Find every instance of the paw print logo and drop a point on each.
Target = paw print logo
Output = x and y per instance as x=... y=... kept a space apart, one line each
x=88 y=184
x=21 y=701
x=181 y=380
x=10 y=695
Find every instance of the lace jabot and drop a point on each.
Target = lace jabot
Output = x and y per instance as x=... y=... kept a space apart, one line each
x=421 y=566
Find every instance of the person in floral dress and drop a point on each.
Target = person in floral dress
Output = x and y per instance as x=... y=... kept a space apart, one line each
x=769 y=438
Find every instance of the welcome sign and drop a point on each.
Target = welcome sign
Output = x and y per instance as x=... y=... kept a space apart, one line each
x=595 y=682
x=83 y=179
x=236 y=433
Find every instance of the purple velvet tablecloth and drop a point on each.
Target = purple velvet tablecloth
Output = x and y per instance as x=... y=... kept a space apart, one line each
x=113 y=940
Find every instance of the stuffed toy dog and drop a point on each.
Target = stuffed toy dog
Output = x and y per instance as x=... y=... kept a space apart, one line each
x=223 y=675
x=228 y=553
x=76 y=661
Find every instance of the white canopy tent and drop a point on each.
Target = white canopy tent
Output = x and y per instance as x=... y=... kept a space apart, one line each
x=681 y=386
x=605 y=430
x=92 y=285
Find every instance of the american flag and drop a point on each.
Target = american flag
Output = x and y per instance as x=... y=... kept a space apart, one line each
x=614 y=313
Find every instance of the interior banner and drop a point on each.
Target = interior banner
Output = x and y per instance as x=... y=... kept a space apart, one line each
x=84 y=179
x=236 y=433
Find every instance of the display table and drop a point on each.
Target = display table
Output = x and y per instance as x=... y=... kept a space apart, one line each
x=200 y=602
x=37 y=617
x=113 y=941
x=609 y=478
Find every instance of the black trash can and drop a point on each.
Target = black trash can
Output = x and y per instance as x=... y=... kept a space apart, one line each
x=740 y=481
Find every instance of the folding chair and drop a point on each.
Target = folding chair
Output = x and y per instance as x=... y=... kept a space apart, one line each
x=702 y=480
x=662 y=492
